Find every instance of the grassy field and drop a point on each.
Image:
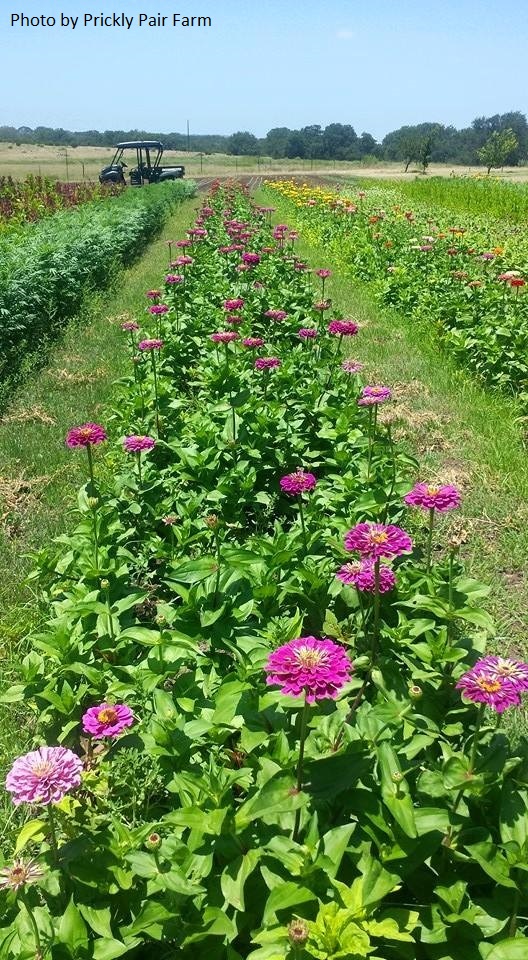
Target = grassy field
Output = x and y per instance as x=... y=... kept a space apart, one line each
x=84 y=163
x=39 y=477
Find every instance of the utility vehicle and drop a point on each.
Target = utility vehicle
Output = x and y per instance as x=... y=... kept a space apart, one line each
x=147 y=158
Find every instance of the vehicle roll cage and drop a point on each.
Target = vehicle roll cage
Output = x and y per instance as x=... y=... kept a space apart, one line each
x=140 y=146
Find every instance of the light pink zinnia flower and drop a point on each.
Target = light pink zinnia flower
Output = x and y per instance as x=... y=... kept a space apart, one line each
x=267 y=363
x=107 y=720
x=136 y=443
x=130 y=325
x=321 y=305
x=44 y=775
x=184 y=261
x=224 y=336
x=298 y=482
x=150 y=344
x=343 y=328
x=377 y=540
x=442 y=498
x=277 y=315
x=483 y=684
x=153 y=294
x=361 y=575
x=174 y=278
x=85 y=435
x=352 y=366
x=307 y=333
x=20 y=874
x=370 y=396
x=253 y=342
x=317 y=668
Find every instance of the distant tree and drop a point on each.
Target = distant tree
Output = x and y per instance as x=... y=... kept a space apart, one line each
x=242 y=143
x=339 y=142
x=425 y=150
x=276 y=140
x=295 y=145
x=497 y=148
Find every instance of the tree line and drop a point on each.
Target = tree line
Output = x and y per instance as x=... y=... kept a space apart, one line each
x=501 y=139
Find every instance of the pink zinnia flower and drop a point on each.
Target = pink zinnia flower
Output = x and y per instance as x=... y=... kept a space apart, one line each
x=483 y=684
x=307 y=333
x=321 y=305
x=224 y=336
x=298 y=482
x=372 y=395
x=153 y=294
x=235 y=304
x=361 y=575
x=44 y=775
x=184 y=261
x=85 y=435
x=267 y=363
x=514 y=670
x=253 y=342
x=158 y=309
x=20 y=874
x=183 y=243
x=441 y=498
x=150 y=344
x=107 y=720
x=323 y=274
x=136 y=443
x=277 y=315
x=352 y=366
x=172 y=278
x=130 y=325
x=317 y=668
x=343 y=328
x=234 y=319
x=377 y=540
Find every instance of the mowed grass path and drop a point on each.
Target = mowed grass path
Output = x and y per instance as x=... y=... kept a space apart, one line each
x=460 y=432
x=39 y=476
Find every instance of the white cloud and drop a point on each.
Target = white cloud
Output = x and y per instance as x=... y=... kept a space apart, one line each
x=345 y=34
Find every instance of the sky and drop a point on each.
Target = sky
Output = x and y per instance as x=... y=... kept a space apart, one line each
x=376 y=64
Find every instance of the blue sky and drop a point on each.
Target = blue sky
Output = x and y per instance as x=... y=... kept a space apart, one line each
x=376 y=64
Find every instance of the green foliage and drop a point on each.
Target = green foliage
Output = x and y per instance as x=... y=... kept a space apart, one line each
x=496 y=150
x=189 y=836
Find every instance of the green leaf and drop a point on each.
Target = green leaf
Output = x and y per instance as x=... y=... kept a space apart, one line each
x=32 y=830
x=284 y=897
x=109 y=949
x=72 y=929
x=194 y=571
x=515 y=948
x=98 y=918
x=514 y=814
x=235 y=875
x=276 y=796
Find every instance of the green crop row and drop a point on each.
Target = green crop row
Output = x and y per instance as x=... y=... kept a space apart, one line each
x=47 y=270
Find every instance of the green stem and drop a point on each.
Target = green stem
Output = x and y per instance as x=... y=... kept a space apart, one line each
x=301 y=512
x=109 y=611
x=450 y=596
x=393 y=474
x=474 y=746
x=96 y=538
x=155 y=373
x=139 y=464
x=300 y=765
x=512 y=929
x=370 y=440
x=430 y=539
x=218 y=570
x=90 y=469
x=333 y=363
x=38 y=946
x=53 y=834
x=377 y=599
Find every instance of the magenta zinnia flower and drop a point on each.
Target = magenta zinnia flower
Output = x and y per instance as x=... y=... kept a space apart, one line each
x=224 y=336
x=44 y=775
x=150 y=344
x=323 y=274
x=307 y=333
x=442 y=498
x=361 y=575
x=85 y=435
x=107 y=720
x=251 y=259
x=136 y=443
x=158 y=309
x=173 y=278
x=343 y=328
x=184 y=261
x=318 y=668
x=267 y=363
x=298 y=482
x=153 y=294
x=484 y=684
x=253 y=342
x=277 y=315
x=370 y=396
x=514 y=670
x=236 y=304
x=130 y=325
x=377 y=540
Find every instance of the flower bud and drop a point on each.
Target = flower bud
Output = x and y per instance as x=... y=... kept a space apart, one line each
x=298 y=932
x=92 y=502
x=212 y=521
x=396 y=777
x=160 y=620
x=415 y=692
x=153 y=842
x=105 y=584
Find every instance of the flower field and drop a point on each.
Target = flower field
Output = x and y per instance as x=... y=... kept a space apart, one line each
x=24 y=201
x=463 y=278
x=267 y=723
x=49 y=267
